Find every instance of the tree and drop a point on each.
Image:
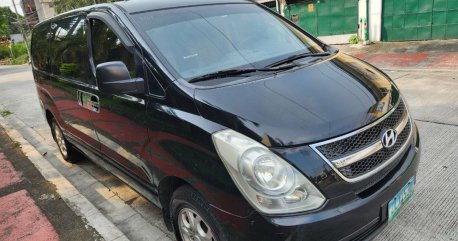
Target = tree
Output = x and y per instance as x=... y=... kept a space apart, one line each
x=67 y=5
x=7 y=19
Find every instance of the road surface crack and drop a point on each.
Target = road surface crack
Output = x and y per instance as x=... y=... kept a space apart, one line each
x=437 y=122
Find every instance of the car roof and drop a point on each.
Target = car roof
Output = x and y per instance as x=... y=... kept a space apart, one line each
x=133 y=6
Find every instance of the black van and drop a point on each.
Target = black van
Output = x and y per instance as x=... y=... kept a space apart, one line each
x=237 y=123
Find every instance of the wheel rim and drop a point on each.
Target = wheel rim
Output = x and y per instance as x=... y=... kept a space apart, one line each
x=60 y=140
x=192 y=227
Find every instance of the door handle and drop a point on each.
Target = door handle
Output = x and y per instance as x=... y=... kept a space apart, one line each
x=95 y=106
x=94 y=103
x=94 y=99
x=88 y=101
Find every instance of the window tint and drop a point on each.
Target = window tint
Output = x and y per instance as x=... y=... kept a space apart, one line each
x=69 y=51
x=108 y=47
x=40 y=47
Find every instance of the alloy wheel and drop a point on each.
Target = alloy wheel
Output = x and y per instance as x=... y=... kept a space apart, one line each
x=193 y=227
x=60 y=140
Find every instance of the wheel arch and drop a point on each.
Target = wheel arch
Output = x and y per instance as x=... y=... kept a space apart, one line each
x=166 y=188
x=49 y=117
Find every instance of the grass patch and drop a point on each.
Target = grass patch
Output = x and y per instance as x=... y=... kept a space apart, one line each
x=354 y=39
x=15 y=145
x=5 y=113
x=19 y=49
x=22 y=59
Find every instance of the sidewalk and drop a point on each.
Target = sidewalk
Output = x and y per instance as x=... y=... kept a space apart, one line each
x=30 y=207
x=431 y=55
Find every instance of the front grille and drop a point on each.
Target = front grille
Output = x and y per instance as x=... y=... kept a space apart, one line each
x=373 y=161
x=354 y=155
x=344 y=147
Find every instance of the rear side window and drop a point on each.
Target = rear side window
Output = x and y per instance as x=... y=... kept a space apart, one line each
x=108 y=47
x=69 y=50
x=40 y=46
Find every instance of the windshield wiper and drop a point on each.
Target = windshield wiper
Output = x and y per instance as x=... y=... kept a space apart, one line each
x=296 y=57
x=221 y=74
x=236 y=72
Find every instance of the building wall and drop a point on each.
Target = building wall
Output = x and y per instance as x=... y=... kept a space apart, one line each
x=375 y=20
x=30 y=12
x=45 y=9
x=17 y=38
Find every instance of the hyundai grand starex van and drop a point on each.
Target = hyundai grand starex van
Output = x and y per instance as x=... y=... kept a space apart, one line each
x=237 y=123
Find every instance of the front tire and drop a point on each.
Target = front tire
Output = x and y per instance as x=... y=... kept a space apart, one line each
x=69 y=153
x=192 y=217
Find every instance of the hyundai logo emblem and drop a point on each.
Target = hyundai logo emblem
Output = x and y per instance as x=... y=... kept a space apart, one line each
x=389 y=138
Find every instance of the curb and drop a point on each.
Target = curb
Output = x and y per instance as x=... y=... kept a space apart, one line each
x=72 y=197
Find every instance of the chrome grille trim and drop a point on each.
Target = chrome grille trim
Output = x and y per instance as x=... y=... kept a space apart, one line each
x=359 y=131
x=367 y=151
x=348 y=160
x=403 y=123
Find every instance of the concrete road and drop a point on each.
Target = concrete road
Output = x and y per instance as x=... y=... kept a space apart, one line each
x=432 y=214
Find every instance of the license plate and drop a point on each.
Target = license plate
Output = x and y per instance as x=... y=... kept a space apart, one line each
x=400 y=199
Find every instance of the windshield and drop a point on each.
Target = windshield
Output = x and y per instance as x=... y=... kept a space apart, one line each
x=206 y=39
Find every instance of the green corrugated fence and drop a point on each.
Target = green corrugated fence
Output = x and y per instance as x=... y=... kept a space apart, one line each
x=419 y=19
x=325 y=17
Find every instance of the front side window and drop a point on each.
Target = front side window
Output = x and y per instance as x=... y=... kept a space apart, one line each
x=108 y=47
x=205 y=39
x=69 y=51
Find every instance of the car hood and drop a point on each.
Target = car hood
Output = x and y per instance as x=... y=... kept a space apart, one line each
x=304 y=105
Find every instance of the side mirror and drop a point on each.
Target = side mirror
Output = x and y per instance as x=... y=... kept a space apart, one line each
x=113 y=77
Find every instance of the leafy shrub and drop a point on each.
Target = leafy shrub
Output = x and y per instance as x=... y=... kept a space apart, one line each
x=69 y=69
x=354 y=39
x=19 y=49
x=21 y=59
x=4 y=51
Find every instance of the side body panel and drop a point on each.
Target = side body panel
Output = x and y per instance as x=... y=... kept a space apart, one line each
x=59 y=80
x=181 y=146
x=120 y=122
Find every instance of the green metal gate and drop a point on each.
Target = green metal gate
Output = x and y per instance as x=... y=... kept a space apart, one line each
x=419 y=19
x=325 y=17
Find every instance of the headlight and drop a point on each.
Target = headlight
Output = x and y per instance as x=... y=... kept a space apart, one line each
x=267 y=181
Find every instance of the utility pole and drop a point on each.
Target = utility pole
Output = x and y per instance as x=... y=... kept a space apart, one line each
x=11 y=49
x=24 y=35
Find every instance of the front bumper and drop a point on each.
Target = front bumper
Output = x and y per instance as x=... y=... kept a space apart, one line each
x=350 y=219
